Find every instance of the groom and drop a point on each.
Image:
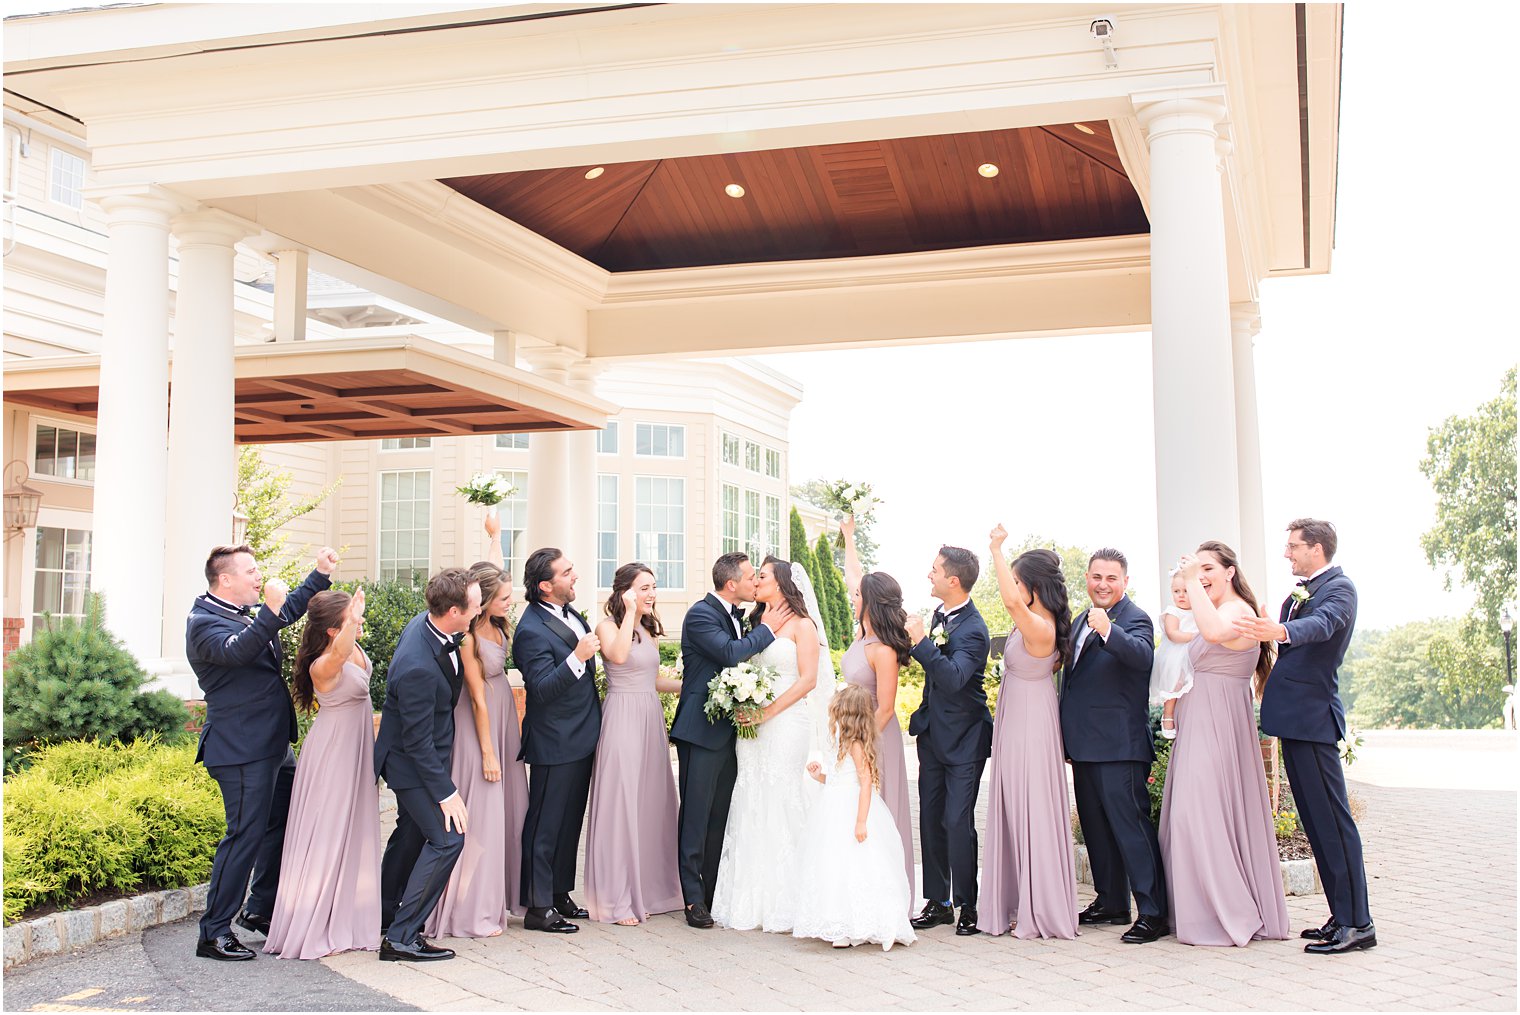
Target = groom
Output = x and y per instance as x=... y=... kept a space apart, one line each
x=1301 y=708
x=954 y=733
x=713 y=638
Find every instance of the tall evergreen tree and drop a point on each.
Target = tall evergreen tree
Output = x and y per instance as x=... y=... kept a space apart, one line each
x=829 y=586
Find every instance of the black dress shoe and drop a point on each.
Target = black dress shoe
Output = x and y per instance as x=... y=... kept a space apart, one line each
x=698 y=916
x=226 y=948
x=548 y=920
x=1344 y=939
x=566 y=907
x=967 y=924
x=253 y=924
x=417 y=951
x=1319 y=933
x=933 y=915
x=1145 y=930
x=1095 y=914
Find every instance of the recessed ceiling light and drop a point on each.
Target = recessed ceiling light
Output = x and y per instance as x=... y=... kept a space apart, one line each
x=592 y=174
x=734 y=190
x=987 y=169
x=1084 y=128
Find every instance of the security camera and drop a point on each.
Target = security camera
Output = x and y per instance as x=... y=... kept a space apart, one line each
x=1102 y=29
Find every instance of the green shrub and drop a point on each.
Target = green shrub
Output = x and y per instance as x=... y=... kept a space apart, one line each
x=909 y=697
x=87 y=817
x=1156 y=781
x=75 y=681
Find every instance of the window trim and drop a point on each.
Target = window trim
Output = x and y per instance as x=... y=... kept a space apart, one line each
x=57 y=424
x=660 y=458
x=379 y=503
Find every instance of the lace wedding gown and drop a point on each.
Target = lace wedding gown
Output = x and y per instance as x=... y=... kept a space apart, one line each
x=757 y=871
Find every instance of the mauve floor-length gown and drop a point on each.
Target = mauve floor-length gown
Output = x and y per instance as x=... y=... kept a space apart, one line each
x=890 y=759
x=484 y=886
x=329 y=895
x=631 y=860
x=1029 y=875
x=1217 y=841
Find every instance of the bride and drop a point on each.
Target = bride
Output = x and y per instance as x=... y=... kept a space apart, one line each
x=757 y=871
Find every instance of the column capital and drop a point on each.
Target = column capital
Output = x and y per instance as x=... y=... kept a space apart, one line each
x=552 y=362
x=209 y=227
x=583 y=374
x=1190 y=109
x=1246 y=318
x=145 y=204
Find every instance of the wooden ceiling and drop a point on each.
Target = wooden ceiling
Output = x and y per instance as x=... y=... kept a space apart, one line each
x=825 y=201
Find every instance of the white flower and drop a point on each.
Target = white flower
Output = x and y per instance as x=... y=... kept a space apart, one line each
x=1301 y=594
x=941 y=637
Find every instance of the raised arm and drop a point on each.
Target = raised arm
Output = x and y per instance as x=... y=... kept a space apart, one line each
x=711 y=636
x=493 y=544
x=1215 y=625
x=617 y=639
x=852 y=569
x=327 y=668
x=1039 y=633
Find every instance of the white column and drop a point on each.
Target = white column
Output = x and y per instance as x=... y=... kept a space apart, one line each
x=127 y=557
x=504 y=347
x=581 y=538
x=202 y=452
x=290 y=295
x=1197 y=476
x=549 y=521
x=1245 y=323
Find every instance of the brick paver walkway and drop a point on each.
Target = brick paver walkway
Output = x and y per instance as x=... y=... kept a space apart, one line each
x=1439 y=826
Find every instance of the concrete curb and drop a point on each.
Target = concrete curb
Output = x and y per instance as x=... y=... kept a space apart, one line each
x=1299 y=877
x=73 y=929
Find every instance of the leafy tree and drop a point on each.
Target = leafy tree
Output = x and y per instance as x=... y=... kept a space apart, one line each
x=264 y=495
x=990 y=602
x=1471 y=465
x=1429 y=673
x=833 y=599
x=816 y=493
x=76 y=681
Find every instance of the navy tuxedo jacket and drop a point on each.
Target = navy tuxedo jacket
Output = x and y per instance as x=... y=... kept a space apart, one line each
x=415 y=747
x=1301 y=700
x=709 y=644
x=953 y=717
x=563 y=718
x=1105 y=706
x=249 y=714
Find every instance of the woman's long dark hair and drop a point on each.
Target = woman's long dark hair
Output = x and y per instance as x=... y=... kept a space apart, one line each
x=622 y=581
x=326 y=610
x=491 y=579
x=1227 y=558
x=881 y=602
x=795 y=601
x=1039 y=571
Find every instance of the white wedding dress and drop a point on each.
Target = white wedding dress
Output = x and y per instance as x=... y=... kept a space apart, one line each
x=757 y=872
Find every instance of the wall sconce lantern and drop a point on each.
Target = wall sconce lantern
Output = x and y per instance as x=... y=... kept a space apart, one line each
x=21 y=501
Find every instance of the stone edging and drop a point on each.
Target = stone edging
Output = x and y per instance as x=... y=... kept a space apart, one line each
x=1300 y=877
x=72 y=929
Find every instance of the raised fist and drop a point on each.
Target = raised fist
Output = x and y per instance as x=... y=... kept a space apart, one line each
x=275 y=592
x=327 y=560
x=588 y=646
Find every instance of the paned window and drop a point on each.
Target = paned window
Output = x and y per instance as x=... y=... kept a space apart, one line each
x=752 y=456
x=773 y=525
x=513 y=513
x=730 y=449
x=62 y=575
x=406 y=504
x=660 y=527
x=607 y=439
x=511 y=442
x=64 y=453
x=659 y=440
x=753 y=544
x=773 y=463
x=730 y=518
x=66 y=179
x=405 y=443
x=606 y=529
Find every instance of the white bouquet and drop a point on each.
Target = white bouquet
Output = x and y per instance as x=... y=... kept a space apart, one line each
x=737 y=691
x=488 y=488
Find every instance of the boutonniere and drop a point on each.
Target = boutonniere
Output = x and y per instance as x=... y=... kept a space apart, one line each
x=941 y=637
x=1300 y=594
x=585 y=618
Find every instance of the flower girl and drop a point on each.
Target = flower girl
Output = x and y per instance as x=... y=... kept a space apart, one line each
x=852 y=886
x=1172 y=671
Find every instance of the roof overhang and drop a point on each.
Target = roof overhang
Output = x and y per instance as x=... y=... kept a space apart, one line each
x=347 y=390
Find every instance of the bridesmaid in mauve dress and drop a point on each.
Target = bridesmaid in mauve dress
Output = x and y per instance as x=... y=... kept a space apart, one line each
x=484 y=885
x=1217 y=838
x=873 y=662
x=329 y=895
x=631 y=854
x=1029 y=882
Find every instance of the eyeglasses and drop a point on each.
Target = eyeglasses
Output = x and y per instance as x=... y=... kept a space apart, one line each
x=1291 y=545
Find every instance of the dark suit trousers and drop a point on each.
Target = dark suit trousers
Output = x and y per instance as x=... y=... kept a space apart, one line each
x=706 y=783
x=551 y=834
x=418 y=859
x=1319 y=790
x=947 y=825
x=1114 y=808
x=256 y=798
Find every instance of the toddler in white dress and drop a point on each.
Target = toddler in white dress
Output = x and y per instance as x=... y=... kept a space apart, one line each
x=1172 y=670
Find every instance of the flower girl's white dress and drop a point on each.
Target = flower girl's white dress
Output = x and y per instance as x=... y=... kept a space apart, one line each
x=851 y=891
x=1172 y=669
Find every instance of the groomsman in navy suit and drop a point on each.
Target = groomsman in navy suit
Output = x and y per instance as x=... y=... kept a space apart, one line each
x=954 y=736
x=234 y=651
x=1106 y=731
x=414 y=753
x=556 y=652
x=1301 y=707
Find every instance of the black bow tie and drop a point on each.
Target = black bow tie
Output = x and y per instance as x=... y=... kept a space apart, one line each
x=247 y=611
x=738 y=614
x=452 y=642
x=938 y=619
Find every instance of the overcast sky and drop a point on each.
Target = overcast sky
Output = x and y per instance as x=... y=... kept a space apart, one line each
x=1413 y=324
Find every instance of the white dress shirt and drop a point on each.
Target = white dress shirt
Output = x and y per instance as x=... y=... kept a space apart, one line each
x=576 y=664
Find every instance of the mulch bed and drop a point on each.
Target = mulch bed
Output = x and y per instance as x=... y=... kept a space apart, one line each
x=1295 y=848
x=85 y=901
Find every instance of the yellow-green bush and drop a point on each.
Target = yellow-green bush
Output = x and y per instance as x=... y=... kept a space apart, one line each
x=88 y=817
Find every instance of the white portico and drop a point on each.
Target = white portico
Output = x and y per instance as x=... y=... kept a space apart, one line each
x=446 y=155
